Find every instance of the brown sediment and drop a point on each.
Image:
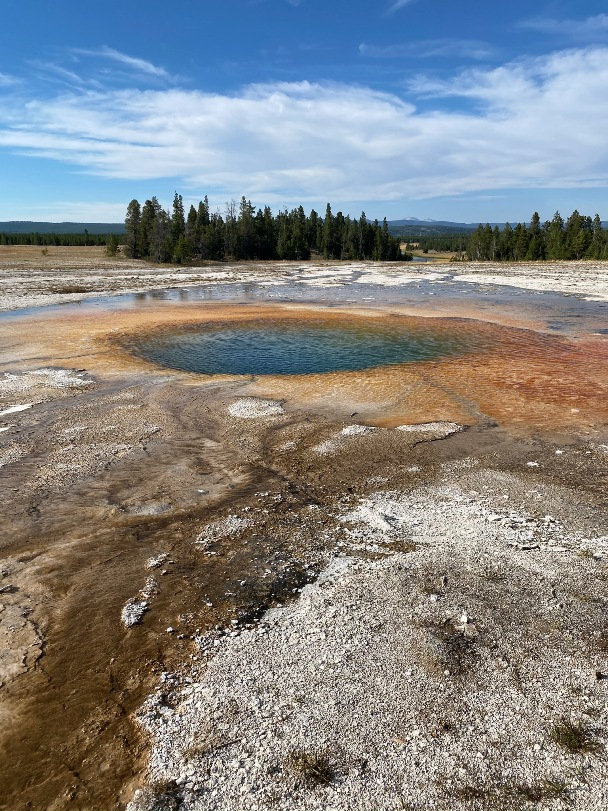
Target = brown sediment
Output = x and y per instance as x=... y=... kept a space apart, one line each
x=155 y=458
x=521 y=377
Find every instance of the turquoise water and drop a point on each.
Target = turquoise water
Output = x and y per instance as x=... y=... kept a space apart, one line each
x=296 y=348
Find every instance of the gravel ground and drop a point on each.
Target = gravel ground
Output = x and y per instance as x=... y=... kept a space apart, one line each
x=452 y=654
x=30 y=279
x=467 y=673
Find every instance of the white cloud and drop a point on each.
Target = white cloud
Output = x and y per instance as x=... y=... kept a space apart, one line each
x=6 y=80
x=530 y=124
x=57 y=73
x=399 y=5
x=587 y=29
x=133 y=62
x=429 y=48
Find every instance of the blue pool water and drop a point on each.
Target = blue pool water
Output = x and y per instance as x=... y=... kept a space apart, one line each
x=301 y=347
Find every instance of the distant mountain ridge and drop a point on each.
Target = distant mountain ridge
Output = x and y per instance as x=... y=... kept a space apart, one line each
x=416 y=221
x=415 y=227
x=29 y=227
x=403 y=227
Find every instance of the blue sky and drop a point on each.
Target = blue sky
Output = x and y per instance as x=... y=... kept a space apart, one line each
x=446 y=109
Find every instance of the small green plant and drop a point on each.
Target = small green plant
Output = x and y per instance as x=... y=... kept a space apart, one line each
x=533 y=794
x=549 y=788
x=492 y=572
x=602 y=642
x=405 y=806
x=163 y=795
x=311 y=767
x=575 y=737
x=555 y=789
x=429 y=586
x=470 y=794
x=112 y=245
x=70 y=288
x=448 y=648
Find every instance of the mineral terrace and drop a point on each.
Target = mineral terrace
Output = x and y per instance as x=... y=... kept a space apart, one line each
x=375 y=590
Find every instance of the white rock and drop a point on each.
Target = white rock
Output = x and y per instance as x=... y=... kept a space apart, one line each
x=252 y=408
x=16 y=409
x=133 y=612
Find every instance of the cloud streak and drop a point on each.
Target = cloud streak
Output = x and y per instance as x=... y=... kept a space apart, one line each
x=589 y=29
x=429 y=48
x=132 y=62
x=57 y=74
x=399 y=5
x=299 y=142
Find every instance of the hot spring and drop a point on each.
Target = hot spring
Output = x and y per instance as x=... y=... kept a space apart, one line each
x=301 y=347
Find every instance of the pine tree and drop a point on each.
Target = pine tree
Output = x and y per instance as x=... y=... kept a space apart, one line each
x=230 y=229
x=132 y=221
x=147 y=226
x=350 y=245
x=495 y=243
x=299 y=237
x=313 y=232
x=475 y=245
x=361 y=235
x=266 y=234
x=520 y=242
x=191 y=236
x=578 y=235
x=178 y=223
x=112 y=245
x=535 y=249
x=246 y=247
x=596 y=248
x=328 y=235
x=555 y=237
x=161 y=244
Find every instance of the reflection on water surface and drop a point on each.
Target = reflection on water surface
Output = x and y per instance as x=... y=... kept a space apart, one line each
x=304 y=347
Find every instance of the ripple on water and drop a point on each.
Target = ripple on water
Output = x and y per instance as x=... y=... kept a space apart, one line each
x=294 y=347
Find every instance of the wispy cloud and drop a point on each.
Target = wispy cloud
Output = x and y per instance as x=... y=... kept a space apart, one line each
x=589 y=29
x=398 y=5
x=429 y=48
x=7 y=81
x=96 y=69
x=132 y=62
x=50 y=71
x=299 y=142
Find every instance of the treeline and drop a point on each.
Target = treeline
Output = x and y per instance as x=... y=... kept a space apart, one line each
x=579 y=237
x=36 y=238
x=456 y=243
x=246 y=233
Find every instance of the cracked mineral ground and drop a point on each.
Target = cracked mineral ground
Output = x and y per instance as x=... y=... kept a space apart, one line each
x=379 y=589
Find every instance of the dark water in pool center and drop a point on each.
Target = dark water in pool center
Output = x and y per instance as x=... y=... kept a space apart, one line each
x=298 y=347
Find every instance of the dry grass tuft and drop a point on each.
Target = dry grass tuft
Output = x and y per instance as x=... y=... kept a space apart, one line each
x=576 y=737
x=311 y=767
x=602 y=642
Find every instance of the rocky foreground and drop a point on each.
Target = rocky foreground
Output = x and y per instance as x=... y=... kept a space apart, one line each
x=468 y=670
x=379 y=590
